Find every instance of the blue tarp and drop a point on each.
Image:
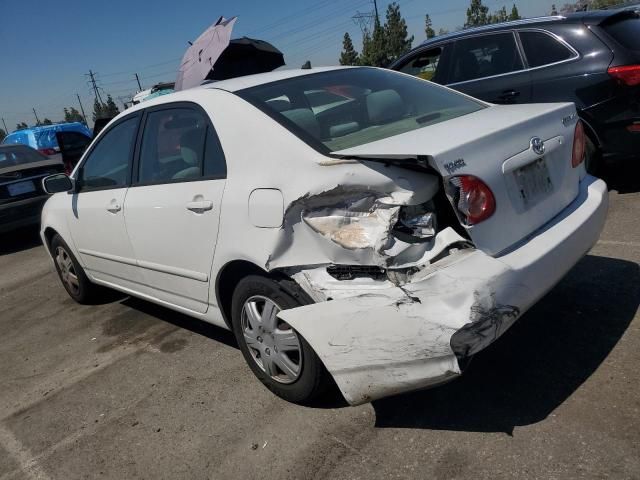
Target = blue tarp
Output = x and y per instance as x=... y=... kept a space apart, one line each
x=45 y=136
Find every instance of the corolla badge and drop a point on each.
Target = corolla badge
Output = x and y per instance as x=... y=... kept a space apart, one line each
x=537 y=145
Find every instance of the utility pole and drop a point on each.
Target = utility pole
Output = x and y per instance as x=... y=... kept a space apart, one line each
x=36 y=115
x=138 y=80
x=82 y=110
x=5 y=127
x=96 y=91
x=375 y=7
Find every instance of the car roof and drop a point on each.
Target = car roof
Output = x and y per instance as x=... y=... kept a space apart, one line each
x=248 y=81
x=592 y=17
x=230 y=85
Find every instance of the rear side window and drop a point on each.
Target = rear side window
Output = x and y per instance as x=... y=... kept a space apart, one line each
x=172 y=146
x=485 y=56
x=179 y=144
x=424 y=65
x=543 y=49
x=626 y=32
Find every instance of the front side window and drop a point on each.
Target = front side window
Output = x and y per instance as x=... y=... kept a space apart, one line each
x=485 y=56
x=109 y=163
x=344 y=108
x=424 y=65
x=172 y=146
x=543 y=49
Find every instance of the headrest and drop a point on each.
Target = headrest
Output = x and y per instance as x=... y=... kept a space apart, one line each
x=305 y=119
x=384 y=106
x=191 y=145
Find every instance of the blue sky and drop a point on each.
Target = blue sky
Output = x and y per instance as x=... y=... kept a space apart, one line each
x=48 y=46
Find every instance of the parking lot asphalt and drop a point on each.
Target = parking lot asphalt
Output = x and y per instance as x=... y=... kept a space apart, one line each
x=130 y=390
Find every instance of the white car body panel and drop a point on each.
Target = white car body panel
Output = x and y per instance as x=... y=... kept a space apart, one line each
x=375 y=336
x=158 y=221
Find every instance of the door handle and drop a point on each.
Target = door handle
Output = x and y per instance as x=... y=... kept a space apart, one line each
x=508 y=96
x=200 y=206
x=114 y=207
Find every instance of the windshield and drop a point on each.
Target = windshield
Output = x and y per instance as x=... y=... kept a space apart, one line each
x=345 y=108
x=18 y=155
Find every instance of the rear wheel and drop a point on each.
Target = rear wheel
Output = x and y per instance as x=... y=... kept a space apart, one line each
x=71 y=274
x=592 y=158
x=281 y=359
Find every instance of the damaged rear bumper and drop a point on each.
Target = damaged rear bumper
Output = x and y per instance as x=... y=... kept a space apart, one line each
x=383 y=340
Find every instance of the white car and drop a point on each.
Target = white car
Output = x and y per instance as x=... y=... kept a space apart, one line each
x=381 y=241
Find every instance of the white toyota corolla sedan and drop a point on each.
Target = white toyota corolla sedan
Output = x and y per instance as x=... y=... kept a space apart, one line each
x=353 y=224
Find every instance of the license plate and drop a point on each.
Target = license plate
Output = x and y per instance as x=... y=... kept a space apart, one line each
x=21 y=188
x=534 y=182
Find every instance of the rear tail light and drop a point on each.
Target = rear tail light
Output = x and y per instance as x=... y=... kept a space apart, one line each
x=629 y=74
x=579 y=144
x=473 y=199
x=634 y=128
x=47 y=151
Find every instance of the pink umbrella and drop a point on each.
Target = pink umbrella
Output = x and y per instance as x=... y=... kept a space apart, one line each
x=199 y=58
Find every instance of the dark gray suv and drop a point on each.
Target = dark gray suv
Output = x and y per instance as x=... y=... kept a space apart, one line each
x=590 y=58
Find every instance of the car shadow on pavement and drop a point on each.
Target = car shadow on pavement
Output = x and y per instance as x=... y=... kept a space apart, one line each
x=623 y=178
x=19 y=240
x=194 y=325
x=538 y=363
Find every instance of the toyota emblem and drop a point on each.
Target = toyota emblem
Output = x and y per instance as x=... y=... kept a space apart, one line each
x=537 y=145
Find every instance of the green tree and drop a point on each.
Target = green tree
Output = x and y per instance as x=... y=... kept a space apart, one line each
x=554 y=10
x=500 y=16
x=443 y=31
x=398 y=41
x=515 y=14
x=374 y=51
x=99 y=109
x=477 y=14
x=71 y=114
x=428 y=27
x=111 y=107
x=348 y=56
x=46 y=121
x=21 y=126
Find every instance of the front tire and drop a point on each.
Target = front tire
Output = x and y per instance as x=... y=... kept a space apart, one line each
x=281 y=359
x=71 y=274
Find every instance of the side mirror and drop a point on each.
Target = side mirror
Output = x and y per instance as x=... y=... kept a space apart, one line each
x=57 y=183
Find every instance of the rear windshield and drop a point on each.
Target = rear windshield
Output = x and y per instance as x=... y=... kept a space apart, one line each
x=341 y=109
x=626 y=32
x=19 y=155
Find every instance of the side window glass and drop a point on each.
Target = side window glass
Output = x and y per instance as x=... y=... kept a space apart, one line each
x=214 y=161
x=173 y=145
x=485 y=56
x=542 y=49
x=109 y=162
x=424 y=65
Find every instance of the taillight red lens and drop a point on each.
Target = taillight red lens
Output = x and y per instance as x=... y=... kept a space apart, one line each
x=629 y=74
x=475 y=200
x=579 y=143
x=47 y=151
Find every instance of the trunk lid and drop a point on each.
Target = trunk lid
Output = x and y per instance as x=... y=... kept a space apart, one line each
x=495 y=145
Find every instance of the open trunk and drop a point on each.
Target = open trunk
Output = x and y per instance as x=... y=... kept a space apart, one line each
x=495 y=144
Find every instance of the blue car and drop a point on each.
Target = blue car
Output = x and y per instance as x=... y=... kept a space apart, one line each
x=43 y=138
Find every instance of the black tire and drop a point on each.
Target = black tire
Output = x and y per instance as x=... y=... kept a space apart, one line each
x=86 y=292
x=592 y=159
x=313 y=380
